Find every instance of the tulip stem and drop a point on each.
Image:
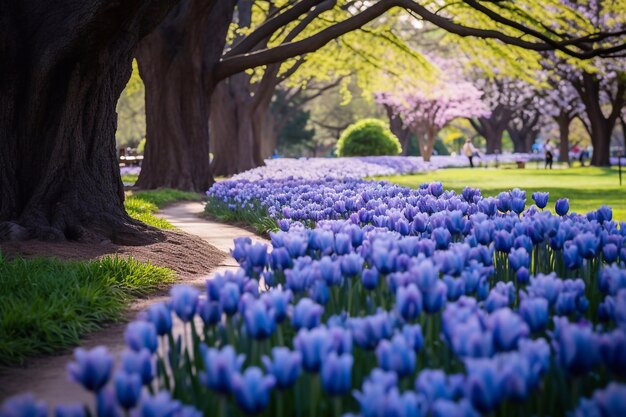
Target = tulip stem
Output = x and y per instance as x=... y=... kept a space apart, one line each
x=337 y=406
x=314 y=387
x=223 y=405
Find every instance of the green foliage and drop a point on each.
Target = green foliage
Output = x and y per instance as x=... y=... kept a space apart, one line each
x=368 y=137
x=294 y=132
x=587 y=188
x=254 y=215
x=439 y=147
x=131 y=121
x=48 y=304
x=143 y=204
x=142 y=146
x=130 y=179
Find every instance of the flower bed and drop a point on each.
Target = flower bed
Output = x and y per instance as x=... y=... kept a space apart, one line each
x=367 y=166
x=379 y=300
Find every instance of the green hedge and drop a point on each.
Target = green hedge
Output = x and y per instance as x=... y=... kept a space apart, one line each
x=368 y=137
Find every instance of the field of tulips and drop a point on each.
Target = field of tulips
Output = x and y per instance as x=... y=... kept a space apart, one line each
x=380 y=300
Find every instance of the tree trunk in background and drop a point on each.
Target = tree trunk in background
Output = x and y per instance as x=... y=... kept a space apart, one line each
x=492 y=128
x=563 y=121
x=175 y=63
x=426 y=141
x=234 y=128
x=600 y=127
x=397 y=128
x=64 y=65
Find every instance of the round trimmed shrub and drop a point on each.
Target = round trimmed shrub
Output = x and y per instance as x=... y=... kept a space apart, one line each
x=368 y=137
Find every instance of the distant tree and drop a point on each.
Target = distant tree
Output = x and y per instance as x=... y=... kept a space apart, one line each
x=425 y=111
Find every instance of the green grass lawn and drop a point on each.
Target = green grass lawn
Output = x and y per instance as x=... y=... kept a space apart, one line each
x=48 y=304
x=142 y=205
x=587 y=188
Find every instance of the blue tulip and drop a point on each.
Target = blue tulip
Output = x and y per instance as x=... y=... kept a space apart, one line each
x=141 y=335
x=65 y=410
x=257 y=255
x=523 y=276
x=184 y=299
x=319 y=292
x=106 y=403
x=209 y=311
x=587 y=244
x=535 y=311
x=518 y=205
x=260 y=322
x=252 y=389
x=352 y=264
x=23 y=405
x=541 y=199
x=306 y=314
x=160 y=315
x=435 y=297
x=369 y=278
x=219 y=366
x=484 y=384
x=503 y=241
x=396 y=355
x=336 y=373
x=229 y=298
x=92 y=368
x=409 y=302
x=330 y=271
x=127 y=389
x=605 y=214
x=340 y=340
x=571 y=256
x=577 y=346
x=280 y=259
x=435 y=188
x=313 y=345
x=612 y=351
x=278 y=300
x=612 y=400
x=433 y=384
x=159 y=405
x=343 y=243
x=139 y=363
x=241 y=245
x=519 y=258
x=610 y=252
x=562 y=206
x=285 y=366
x=523 y=241
x=441 y=237
x=508 y=329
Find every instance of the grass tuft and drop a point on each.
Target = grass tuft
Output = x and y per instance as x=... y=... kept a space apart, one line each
x=142 y=205
x=254 y=216
x=48 y=304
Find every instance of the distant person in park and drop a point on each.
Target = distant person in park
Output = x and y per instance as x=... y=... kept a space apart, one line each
x=470 y=151
x=582 y=156
x=548 y=150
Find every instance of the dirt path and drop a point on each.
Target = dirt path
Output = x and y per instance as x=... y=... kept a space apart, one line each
x=46 y=376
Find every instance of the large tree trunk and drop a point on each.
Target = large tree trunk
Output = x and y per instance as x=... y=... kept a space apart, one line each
x=175 y=63
x=564 y=121
x=64 y=65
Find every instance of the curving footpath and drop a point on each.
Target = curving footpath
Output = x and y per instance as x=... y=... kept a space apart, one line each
x=46 y=377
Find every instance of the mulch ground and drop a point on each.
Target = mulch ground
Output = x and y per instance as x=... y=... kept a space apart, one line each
x=186 y=254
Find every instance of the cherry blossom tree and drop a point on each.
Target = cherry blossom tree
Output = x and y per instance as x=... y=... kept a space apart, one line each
x=425 y=111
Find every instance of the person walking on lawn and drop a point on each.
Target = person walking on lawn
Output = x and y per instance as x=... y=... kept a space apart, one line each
x=470 y=151
x=548 y=149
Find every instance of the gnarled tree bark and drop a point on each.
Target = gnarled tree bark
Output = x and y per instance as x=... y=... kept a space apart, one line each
x=492 y=128
x=64 y=65
x=176 y=62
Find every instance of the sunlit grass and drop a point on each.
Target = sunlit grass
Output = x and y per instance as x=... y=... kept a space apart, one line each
x=48 y=304
x=142 y=205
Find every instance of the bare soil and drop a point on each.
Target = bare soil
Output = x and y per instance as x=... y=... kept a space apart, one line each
x=186 y=254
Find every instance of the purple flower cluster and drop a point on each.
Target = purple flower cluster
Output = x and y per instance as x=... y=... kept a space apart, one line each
x=413 y=302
